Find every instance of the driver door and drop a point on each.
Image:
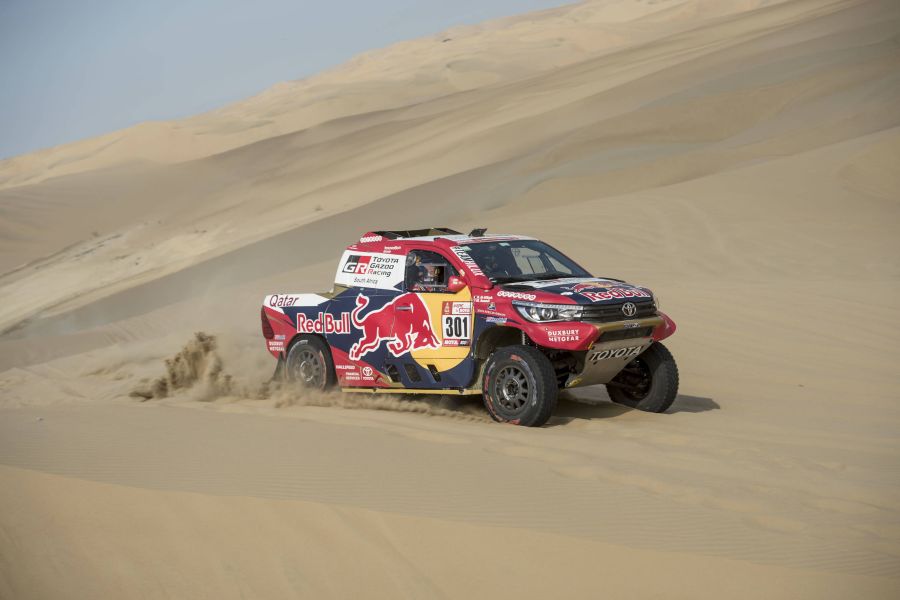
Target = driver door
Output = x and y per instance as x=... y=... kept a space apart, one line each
x=451 y=314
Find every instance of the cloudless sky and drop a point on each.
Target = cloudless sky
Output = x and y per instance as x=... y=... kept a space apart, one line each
x=71 y=69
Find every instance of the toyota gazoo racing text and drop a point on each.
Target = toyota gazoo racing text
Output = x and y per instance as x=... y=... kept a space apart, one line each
x=505 y=316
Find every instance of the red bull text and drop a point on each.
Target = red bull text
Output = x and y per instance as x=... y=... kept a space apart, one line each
x=324 y=323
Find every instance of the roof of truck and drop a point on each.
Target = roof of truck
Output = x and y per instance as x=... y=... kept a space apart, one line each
x=431 y=235
x=465 y=239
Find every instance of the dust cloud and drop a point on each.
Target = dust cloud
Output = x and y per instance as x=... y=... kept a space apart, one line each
x=198 y=372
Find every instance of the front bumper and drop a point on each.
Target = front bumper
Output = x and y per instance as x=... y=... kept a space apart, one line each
x=614 y=348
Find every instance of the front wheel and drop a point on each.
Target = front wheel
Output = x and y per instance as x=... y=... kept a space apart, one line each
x=648 y=383
x=519 y=386
x=309 y=364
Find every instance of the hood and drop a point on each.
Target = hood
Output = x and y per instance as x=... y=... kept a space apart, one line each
x=586 y=290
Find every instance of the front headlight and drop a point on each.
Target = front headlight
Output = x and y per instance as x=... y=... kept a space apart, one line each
x=538 y=312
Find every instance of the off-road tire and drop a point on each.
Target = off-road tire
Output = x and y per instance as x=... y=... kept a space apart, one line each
x=318 y=372
x=648 y=383
x=519 y=386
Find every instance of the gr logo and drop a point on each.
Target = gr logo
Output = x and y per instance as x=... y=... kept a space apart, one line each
x=357 y=263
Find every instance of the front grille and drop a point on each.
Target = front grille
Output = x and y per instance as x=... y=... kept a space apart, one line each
x=613 y=312
x=625 y=334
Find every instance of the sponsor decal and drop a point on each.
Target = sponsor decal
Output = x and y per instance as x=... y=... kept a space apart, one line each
x=515 y=295
x=279 y=336
x=563 y=335
x=282 y=300
x=482 y=299
x=345 y=367
x=370 y=238
x=356 y=263
x=467 y=260
x=370 y=270
x=324 y=323
x=404 y=323
x=369 y=374
x=383 y=266
x=457 y=308
x=391 y=248
x=616 y=292
x=275 y=346
x=599 y=355
x=497 y=320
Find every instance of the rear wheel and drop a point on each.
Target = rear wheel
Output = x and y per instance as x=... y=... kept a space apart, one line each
x=648 y=383
x=309 y=364
x=519 y=386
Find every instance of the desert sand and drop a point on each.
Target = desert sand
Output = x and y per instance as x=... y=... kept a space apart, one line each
x=740 y=158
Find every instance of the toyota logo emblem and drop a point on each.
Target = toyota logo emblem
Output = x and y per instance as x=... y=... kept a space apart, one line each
x=629 y=309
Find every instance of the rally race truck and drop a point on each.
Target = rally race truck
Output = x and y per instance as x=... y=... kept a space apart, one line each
x=509 y=317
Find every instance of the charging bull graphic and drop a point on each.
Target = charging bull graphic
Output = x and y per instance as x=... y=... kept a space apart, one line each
x=404 y=323
x=590 y=285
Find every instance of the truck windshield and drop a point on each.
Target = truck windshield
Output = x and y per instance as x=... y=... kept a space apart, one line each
x=522 y=260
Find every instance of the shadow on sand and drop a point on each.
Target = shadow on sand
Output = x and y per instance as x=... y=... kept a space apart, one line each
x=572 y=408
x=693 y=404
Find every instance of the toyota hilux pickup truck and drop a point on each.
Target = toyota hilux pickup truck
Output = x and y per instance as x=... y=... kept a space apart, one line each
x=507 y=317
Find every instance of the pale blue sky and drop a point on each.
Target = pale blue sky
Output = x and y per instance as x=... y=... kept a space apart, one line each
x=71 y=69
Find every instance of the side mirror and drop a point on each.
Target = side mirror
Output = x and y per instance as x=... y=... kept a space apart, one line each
x=455 y=284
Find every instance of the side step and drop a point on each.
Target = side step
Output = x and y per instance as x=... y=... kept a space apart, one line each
x=443 y=392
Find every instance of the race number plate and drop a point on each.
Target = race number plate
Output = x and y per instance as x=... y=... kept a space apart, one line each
x=456 y=323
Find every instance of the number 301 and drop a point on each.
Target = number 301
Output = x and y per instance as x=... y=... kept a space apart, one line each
x=456 y=327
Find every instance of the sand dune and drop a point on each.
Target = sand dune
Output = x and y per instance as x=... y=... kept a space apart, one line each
x=738 y=157
x=358 y=552
x=404 y=74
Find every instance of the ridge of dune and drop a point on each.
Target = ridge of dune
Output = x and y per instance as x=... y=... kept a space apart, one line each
x=405 y=73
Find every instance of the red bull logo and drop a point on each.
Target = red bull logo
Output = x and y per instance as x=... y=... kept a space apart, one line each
x=617 y=292
x=404 y=323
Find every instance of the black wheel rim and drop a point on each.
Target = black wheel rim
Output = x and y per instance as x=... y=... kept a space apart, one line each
x=308 y=368
x=512 y=389
x=635 y=380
